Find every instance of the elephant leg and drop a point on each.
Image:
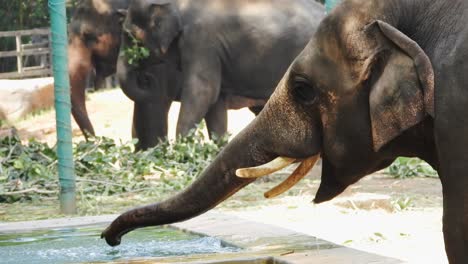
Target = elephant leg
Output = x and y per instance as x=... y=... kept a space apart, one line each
x=451 y=137
x=200 y=87
x=455 y=222
x=149 y=124
x=256 y=109
x=216 y=119
x=99 y=82
x=453 y=172
x=78 y=102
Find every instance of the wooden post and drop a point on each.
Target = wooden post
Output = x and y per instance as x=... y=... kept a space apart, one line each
x=330 y=4
x=22 y=50
x=19 y=56
x=50 y=64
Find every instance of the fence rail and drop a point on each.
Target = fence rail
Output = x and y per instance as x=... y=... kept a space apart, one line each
x=40 y=49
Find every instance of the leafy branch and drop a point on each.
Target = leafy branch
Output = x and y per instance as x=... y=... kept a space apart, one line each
x=104 y=167
x=410 y=167
x=136 y=52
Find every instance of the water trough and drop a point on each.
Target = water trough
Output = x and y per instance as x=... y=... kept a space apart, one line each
x=229 y=240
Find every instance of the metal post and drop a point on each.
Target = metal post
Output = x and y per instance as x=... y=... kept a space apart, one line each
x=66 y=170
x=329 y=4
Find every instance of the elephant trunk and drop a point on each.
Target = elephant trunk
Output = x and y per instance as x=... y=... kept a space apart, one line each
x=129 y=82
x=263 y=140
x=217 y=183
x=79 y=65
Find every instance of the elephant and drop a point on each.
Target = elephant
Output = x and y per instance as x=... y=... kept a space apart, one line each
x=378 y=80
x=221 y=55
x=94 y=43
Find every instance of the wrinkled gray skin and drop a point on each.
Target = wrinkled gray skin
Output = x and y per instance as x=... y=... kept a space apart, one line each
x=226 y=54
x=94 y=42
x=379 y=79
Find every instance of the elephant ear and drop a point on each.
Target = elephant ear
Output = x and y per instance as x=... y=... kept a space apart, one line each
x=167 y=21
x=402 y=91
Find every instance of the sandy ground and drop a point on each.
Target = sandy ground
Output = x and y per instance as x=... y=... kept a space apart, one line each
x=364 y=217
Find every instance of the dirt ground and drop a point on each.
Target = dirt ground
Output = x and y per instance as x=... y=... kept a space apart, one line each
x=396 y=218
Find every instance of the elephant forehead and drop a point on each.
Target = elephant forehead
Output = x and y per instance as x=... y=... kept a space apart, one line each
x=102 y=7
x=344 y=33
x=329 y=72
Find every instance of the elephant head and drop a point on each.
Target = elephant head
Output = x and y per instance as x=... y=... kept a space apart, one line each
x=360 y=94
x=152 y=24
x=156 y=23
x=94 y=42
x=151 y=79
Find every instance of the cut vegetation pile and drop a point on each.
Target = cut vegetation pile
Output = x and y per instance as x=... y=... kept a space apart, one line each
x=112 y=177
x=104 y=167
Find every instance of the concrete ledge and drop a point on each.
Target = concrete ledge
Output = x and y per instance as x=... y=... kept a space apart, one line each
x=26 y=226
x=262 y=244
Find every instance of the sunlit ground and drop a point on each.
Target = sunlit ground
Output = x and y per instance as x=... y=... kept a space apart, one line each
x=110 y=112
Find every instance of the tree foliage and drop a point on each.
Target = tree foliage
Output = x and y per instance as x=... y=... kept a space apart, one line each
x=22 y=15
x=27 y=14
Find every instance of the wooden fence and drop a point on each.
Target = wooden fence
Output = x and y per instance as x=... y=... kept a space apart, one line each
x=24 y=52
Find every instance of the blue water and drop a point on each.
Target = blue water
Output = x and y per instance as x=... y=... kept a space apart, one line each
x=73 y=245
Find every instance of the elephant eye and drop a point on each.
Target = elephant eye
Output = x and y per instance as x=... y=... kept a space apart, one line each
x=304 y=91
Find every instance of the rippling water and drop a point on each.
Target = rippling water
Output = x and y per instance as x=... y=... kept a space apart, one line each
x=84 y=245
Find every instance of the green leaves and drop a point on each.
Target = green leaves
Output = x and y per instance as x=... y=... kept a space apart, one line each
x=402 y=204
x=410 y=167
x=136 y=52
x=18 y=161
x=105 y=167
x=23 y=167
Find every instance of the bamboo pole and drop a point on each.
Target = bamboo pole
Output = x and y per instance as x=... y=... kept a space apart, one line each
x=62 y=106
x=330 y=4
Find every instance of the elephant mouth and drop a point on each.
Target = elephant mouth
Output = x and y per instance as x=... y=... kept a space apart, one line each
x=275 y=165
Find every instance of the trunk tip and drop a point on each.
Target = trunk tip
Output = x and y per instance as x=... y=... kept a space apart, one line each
x=111 y=241
x=111 y=238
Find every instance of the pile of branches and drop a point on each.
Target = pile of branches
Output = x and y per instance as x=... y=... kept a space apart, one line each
x=104 y=167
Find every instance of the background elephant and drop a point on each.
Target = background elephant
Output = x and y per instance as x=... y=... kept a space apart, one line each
x=379 y=79
x=226 y=55
x=94 y=42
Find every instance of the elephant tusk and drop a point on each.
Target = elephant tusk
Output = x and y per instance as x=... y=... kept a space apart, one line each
x=265 y=169
x=299 y=173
